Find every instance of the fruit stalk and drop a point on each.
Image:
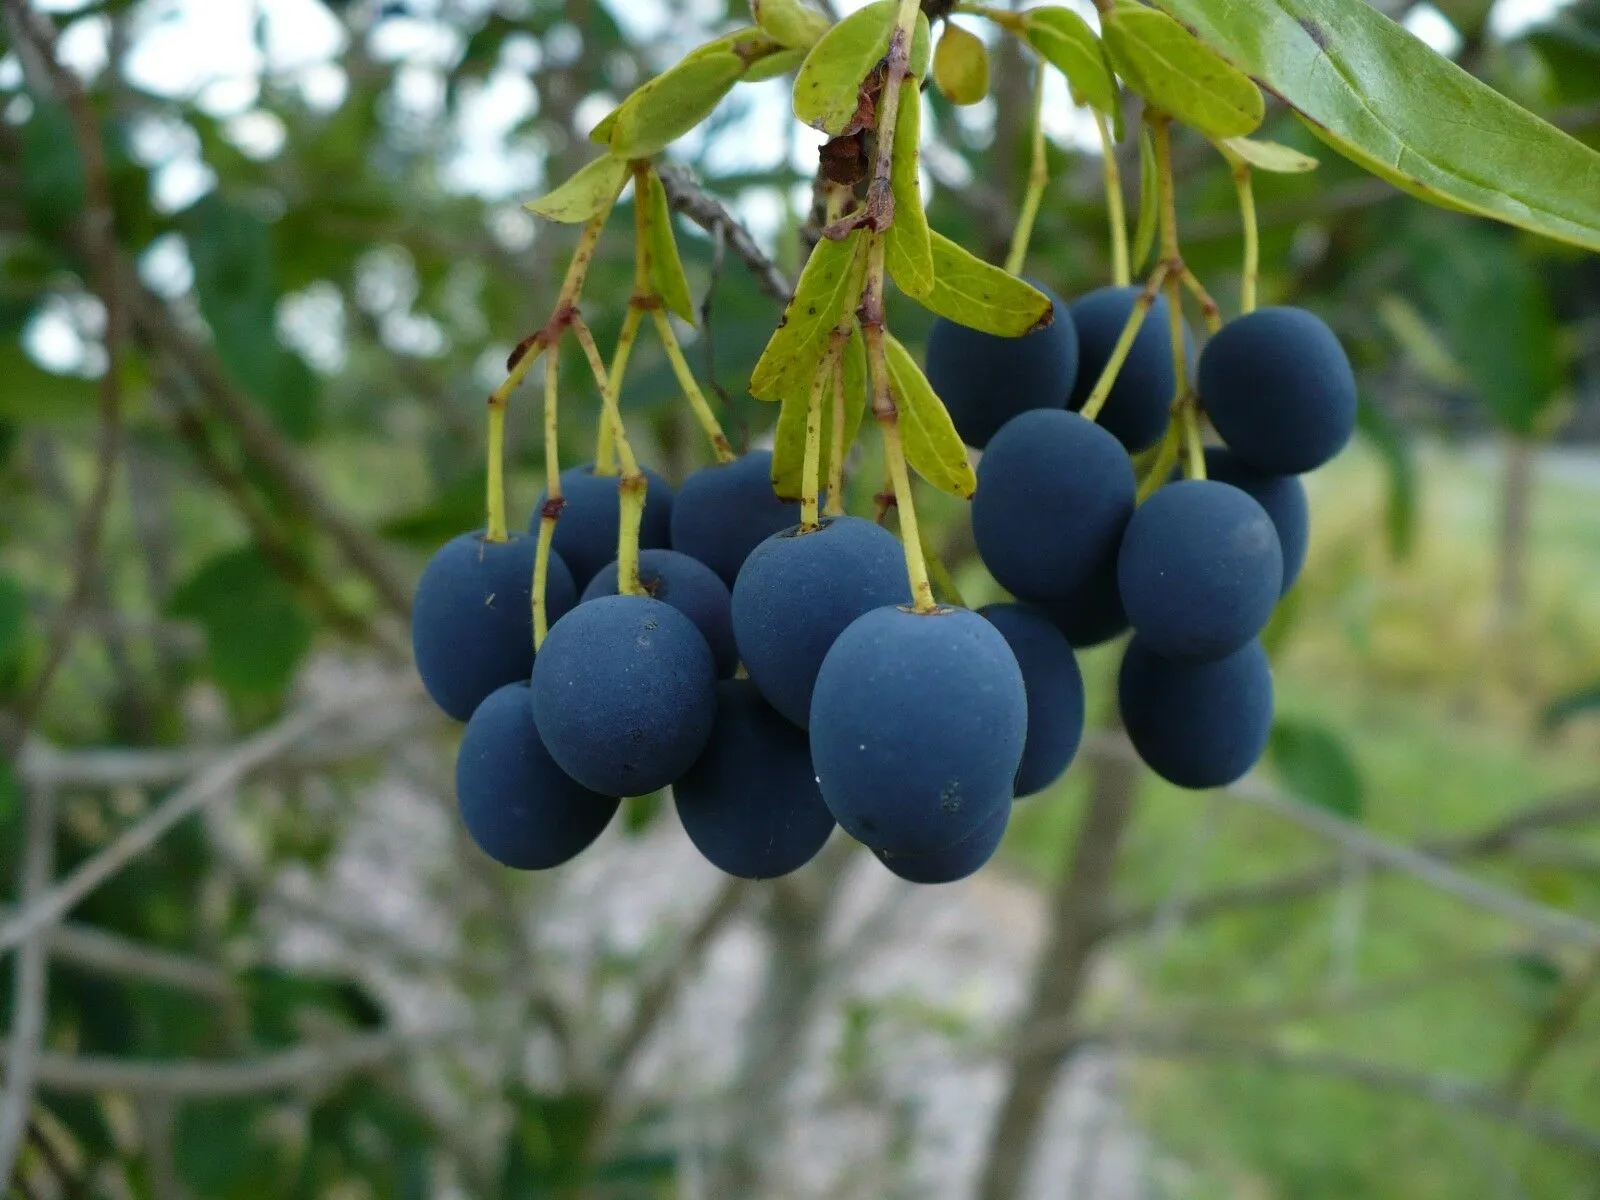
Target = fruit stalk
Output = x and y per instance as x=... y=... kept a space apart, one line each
x=1252 y=237
x=1210 y=310
x=1116 y=214
x=1038 y=178
x=1184 y=409
x=1142 y=305
x=811 y=468
x=605 y=450
x=522 y=360
x=632 y=484
x=553 y=503
x=720 y=445
x=835 y=505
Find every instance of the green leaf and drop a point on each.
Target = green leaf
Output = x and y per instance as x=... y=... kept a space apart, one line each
x=789 y=442
x=829 y=286
x=1313 y=763
x=1179 y=74
x=458 y=506
x=1144 y=230
x=1067 y=43
x=1267 y=156
x=908 y=247
x=1575 y=704
x=222 y=1149
x=666 y=268
x=933 y=447
x=587 y=194
x=256 y=633
x=549 y=1144
x=13 y=623
x=789 y=22
x=52 y=179
x=674 y=102
x=857 y=387
x=1571 y=53
x=827 y=91
x=977 y=294
x=1423 y=348
x=921 y=47
x=773 y=65
x=1394 y=447
x=640 y=812
x=961 y=65
x=10 y=800
x=1384 y=100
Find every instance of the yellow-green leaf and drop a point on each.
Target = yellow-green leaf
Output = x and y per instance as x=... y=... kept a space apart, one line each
x=977 y=294
x=857 y=386
x=828 y=88
x=933 y=447
x=666 y=268
x=1267 y=156
x=791 y=23
x=1144 y=230
x=789 y=443
x=773 y=65
x=829 y=286
x=921 y=47
x=1181 y=75
x=672 y=103
x=601 y=133
x=1384 y=100
x=961 y=65
x=594 y=186
x=909 y=244
x=1068 y=44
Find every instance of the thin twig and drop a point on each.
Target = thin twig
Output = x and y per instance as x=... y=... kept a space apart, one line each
x=95 y=949
x=686 y=196
x=32 y=982
x=218 y=780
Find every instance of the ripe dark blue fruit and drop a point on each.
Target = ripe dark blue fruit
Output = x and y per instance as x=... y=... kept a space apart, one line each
x=1055 y=692
x=624 y=690
x=796 y=594
x=1136 y=410
x=985 y=380
x=1278 y=386
x=917 y=727
x=521 y=809
x=472 y=617
x=955 y=862
x=1054 y=494
x=1200 y=569
x=1284 y=498
x=724 y=511
x=1092 y=612
x=689 y=586
x=750 y=803
x=1197 y=725
x=586 y=531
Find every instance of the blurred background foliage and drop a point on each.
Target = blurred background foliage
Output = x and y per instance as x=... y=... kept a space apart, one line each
x=317 y=213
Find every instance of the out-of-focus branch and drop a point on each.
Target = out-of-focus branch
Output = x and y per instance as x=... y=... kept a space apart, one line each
x=95 y=949
x=688 y=197
x=216 y=781
x=32 y=983
x=35 y=32
x=1554 y=1026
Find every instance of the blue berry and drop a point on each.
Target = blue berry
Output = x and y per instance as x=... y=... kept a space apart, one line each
x=750 y=803
x=1200 y=569
x=954 y=862
x=724 y=511
x=1278 y=386
x=1197 y=725
x=1055 y=692
x=624 y=691
x=1136 y=410
x=472 y=617
x=586 y=531
x=1284 y=498
x=985 y=380
x=689 y=586
x=1054 y=494
x=521 y=809
x=797 y=592
x=1092 y=612
x=918 y=723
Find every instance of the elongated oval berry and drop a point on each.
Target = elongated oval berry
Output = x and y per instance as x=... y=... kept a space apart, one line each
x=1278 y=386
x=624 y=691
x=1055 y=692
x=586 y=531
x=1054 y=494
x=521 y=809
x=724 y=511
x=1092 y=612
x=1200 y=569
x=1137 y=407
x=985 y=380
x=1197 y=725
x=796 y=594
x=689 y=586
x=1284 y=498
x=472 y=617
x=918 y=723
x=750 y=804
x=956 y=862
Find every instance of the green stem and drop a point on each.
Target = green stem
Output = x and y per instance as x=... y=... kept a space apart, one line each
x=632 y=485
x=691 y=389
x=1010 y=21
x=1161 y=129
x=553 y=501
x=835 y=505
x=1038 y=179
x=1252 y=237
x=1116 y=214
x=812 y=462
x=605 y=449
x=1142 y=305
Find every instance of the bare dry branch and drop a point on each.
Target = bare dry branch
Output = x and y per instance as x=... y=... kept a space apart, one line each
x=32 y=983
x=686 y=196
